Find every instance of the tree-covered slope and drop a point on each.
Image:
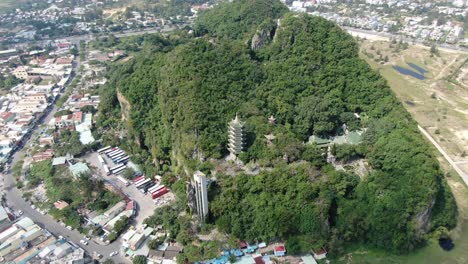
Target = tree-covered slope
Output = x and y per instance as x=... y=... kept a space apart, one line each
x=236 y=20
x=306 y=72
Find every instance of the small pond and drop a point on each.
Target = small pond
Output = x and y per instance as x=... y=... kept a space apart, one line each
x=409 y=72
x=446 y=244
x=418 y=68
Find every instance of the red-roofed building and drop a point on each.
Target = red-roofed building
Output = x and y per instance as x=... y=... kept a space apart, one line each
x=62 y=122
x=320 y=254
x=130 y=205
x=242 y=244
x=61 y=204
x=6 y=117
x=64 y=45
x=46 y=140
x=63 y=60
x=45 y=155
x=76 y=97
x=78 y=117
x=279 y=250
x=259 y=260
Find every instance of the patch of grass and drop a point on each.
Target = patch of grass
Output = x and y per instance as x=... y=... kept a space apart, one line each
x=450 y=86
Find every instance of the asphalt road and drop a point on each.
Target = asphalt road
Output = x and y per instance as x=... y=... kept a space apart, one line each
x=88 y=37
x=16 y=202
x=405 y=38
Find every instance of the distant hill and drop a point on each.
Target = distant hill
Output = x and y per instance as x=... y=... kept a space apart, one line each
x=254 y=58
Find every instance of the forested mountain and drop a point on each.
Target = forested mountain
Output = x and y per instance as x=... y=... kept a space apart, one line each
x=254 y=58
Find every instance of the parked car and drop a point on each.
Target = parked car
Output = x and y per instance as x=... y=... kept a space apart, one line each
x=84 y=242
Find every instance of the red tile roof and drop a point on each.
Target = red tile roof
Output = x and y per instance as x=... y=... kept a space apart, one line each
x=259 y=260
x=6 y=115
x=242 y=244
x=320 y=251
x=63 y=61
x=130 y=205
x=78 y=116
x=280 y=248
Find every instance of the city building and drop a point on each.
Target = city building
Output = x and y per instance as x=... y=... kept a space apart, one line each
x=78 y=169
x=201 y=194
x=8 y=53
x=236 y=136
x=115 y=210
x=18 y=236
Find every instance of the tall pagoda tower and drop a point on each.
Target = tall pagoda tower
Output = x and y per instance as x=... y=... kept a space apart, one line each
x=236 y=136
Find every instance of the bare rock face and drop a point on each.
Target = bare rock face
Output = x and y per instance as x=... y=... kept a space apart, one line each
x=124 y=106
x=423 y=218
x=264 y=35
x=278 y=27
x=260 y=39
x=191 y=197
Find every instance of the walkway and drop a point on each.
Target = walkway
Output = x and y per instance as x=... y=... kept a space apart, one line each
x=454 y=165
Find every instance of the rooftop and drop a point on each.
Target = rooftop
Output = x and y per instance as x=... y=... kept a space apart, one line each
x=79 y=168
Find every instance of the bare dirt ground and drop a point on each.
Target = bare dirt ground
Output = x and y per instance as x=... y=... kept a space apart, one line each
x=107 y=13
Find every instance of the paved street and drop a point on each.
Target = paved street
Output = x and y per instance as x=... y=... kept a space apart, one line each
x=358 y=32
x=88 y=37
x=16 y=202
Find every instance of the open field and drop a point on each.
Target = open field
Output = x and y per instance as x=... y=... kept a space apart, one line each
x=438 y=103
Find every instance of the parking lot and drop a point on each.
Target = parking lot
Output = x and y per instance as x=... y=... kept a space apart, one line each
x=146 y=204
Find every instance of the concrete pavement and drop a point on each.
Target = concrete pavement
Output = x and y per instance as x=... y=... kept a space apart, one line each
x=146 y=205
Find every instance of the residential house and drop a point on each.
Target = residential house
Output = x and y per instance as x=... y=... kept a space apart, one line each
x=279 y=250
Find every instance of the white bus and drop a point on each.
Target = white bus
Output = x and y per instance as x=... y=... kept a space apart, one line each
x=117 y=167
x=118 y=156
x=106 y=169
x=155 y=188
x=118 y=171
x=100 y=159
x=103 y=149
x=124 y=181
x=141 y=183
x=123 y=159
x=110 y=150
x=115 y=154
x=138 y=182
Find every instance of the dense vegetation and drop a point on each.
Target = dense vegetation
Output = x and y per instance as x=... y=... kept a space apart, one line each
x=8 y=82
x=78 y=193
x=306 y=72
